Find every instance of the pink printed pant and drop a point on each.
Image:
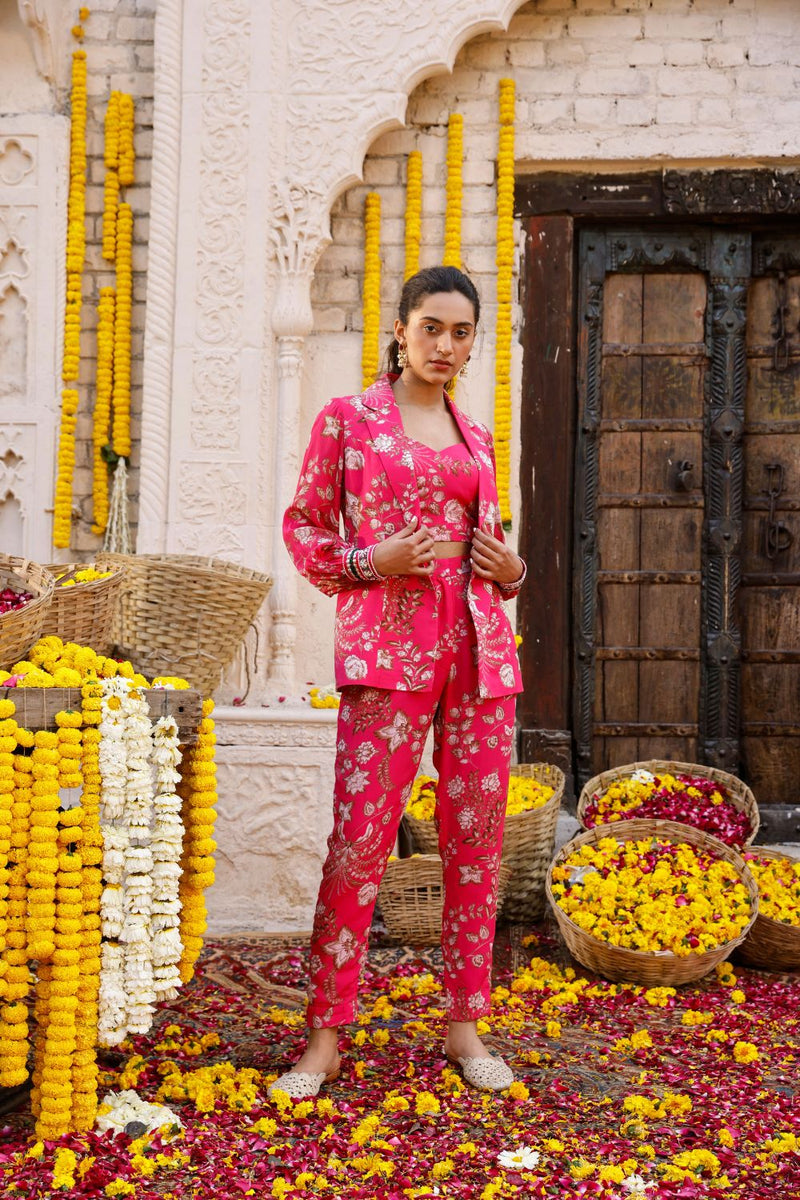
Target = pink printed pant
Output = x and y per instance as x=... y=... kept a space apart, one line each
x=380 y=739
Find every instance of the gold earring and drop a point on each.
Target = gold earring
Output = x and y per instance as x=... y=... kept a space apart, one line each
x=402 y=357
x=464 y=372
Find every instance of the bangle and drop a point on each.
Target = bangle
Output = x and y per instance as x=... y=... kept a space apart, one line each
x=359 y=567
x=513 y=587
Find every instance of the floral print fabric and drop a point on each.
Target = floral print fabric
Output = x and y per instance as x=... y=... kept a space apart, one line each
x=447 y=483
x=359 y=469
x=380 y=740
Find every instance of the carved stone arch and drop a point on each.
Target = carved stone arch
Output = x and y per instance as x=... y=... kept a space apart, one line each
x=331 y=131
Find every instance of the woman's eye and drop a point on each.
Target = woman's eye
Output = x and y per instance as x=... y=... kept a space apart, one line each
x=430 y=329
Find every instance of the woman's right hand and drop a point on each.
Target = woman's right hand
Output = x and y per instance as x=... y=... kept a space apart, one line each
x=409 y=552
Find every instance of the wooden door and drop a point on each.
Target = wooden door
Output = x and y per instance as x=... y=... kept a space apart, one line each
x=656 y=669
x=769 y=595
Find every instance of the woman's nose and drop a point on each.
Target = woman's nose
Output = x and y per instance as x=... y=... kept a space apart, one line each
x=444 y=344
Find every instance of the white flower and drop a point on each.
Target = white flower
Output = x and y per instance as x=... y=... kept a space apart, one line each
x=521 y=1159
x=636 y=1185
x=124 y=1107
x=643 y=776
x=355 y=667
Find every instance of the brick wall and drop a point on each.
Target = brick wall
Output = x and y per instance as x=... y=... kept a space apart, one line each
x=119 y=53
x=614 y=80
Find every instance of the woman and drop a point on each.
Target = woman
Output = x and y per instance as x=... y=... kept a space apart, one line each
x=421 y=636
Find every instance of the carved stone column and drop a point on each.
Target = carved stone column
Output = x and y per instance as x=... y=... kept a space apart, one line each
x=299 y=235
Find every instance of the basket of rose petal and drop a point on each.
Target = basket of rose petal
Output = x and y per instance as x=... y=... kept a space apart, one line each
x=651 y=902
x=534 y=799
x=84 y=600
x=411 y=895
x=26 y=592
x=708 y=799
x=773 y=944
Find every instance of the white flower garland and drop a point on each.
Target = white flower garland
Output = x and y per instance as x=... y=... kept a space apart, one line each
x=138 y=893
x=142 y=842
x=166 y=845
x=112 y=1022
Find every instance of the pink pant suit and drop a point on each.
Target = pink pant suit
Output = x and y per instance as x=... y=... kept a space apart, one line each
x=380 y=739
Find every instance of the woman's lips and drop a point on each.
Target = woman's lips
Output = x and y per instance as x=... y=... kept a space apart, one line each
x=441 y=366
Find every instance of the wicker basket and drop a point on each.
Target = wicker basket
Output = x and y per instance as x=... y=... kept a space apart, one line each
x=739 y=793
x=411 y=896
x=21 y=628
x=771 y=945
x=660 y=968
x=83 y=613
x=182 y=615
x=527 y=844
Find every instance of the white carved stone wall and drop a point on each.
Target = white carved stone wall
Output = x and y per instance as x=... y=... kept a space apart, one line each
x=33 y=150
x=275 y=779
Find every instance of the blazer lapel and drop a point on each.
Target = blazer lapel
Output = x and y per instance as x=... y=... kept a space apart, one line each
x=488 y=509
x=382 y=418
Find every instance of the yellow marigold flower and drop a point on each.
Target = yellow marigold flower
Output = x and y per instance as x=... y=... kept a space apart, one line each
x=426 y=1102
x=518 y=1091
x=725 y=1137
x=745 y=1052
x=120 y=1187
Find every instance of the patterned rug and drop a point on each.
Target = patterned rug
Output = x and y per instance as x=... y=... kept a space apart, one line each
x=620 y=1091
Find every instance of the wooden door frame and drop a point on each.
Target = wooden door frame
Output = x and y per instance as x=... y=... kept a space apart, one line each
x=553 y=206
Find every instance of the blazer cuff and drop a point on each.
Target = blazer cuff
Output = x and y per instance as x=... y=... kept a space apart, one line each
x=510 y=588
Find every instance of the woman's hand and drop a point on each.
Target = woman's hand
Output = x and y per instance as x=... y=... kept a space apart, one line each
x=493 y=559
x=409 y=552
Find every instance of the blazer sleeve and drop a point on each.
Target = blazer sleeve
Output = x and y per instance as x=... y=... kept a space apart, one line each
x=311 y=522
x=508 y=591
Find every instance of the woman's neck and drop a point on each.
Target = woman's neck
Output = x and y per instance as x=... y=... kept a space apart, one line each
x=417 y=392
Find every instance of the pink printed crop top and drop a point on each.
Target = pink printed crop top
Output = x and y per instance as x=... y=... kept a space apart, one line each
x=447 y=483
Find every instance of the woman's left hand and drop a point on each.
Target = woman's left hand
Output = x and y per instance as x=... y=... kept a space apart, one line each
x=493 y=559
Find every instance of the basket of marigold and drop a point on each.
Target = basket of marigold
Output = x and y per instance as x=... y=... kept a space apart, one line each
x=84 y=600
x=651 y=902
x=708 y=799
x=411 y=896
x=26 y=593
x=535 y=791
x=773 y=944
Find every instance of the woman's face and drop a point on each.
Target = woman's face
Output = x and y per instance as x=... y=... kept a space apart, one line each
x=438 y=336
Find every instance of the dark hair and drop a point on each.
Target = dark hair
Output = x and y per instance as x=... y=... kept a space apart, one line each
x=426 y=283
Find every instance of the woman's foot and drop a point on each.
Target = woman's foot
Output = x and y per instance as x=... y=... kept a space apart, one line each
x=319 y=1064
x=481 y=1069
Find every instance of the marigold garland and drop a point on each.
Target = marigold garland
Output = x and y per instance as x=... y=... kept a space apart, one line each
x=62 y=505
x=454 y=191
x=51 y=880
x=126 y=154
x=76 y=252
x=112 y=180
x=371 y=302
x=76 y=217
x=15 y=976
x=121 y=389
x=413 y=222
x=505 y=267
x=198 y=791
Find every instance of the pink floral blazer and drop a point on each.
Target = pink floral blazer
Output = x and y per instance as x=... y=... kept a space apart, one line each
x=357 y=467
